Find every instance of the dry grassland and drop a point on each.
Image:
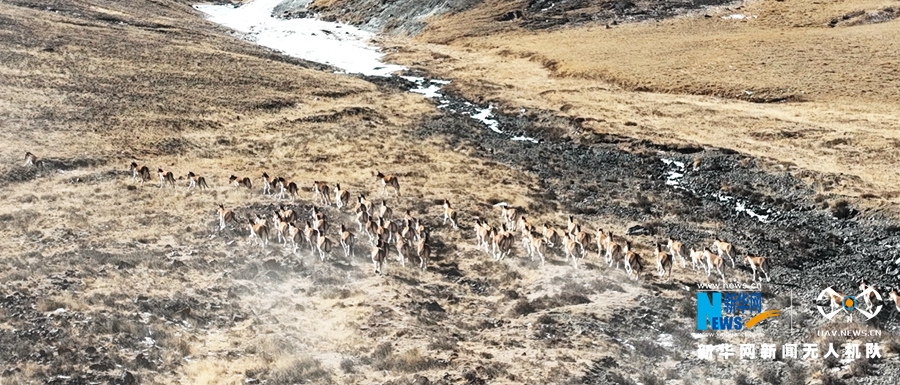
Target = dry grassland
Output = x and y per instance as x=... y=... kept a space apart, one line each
x=150 y=291
x=702 y=80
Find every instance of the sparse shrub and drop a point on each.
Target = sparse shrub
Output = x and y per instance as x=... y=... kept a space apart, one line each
x=842 y=210
x=650 y=349
x=443 y=342
x=796 y=374
x=648 y=378
x=522 y=307
x=347 y=365
x=771 y=376
x=831 y=379
x=604 y=284
x=302 y=371
x=861 y=368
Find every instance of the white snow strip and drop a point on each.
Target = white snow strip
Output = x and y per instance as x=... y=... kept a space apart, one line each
x=525 y=138
x=341 y=45
x=485 y=116
x=429 y=92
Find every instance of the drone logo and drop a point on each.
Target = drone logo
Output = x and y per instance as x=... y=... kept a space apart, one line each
x=847 y=303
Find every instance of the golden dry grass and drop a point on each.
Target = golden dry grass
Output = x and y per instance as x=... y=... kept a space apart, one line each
x=681 y=80
x=99 y=84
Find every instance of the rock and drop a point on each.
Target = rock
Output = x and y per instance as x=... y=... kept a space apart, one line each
x=637 y=230
x=126 y=379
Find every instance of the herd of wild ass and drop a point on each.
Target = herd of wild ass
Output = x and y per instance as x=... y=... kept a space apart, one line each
x=409 y=237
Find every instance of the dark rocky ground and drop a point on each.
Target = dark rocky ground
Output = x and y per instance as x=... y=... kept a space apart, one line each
x=410 y=16
x=813 y=240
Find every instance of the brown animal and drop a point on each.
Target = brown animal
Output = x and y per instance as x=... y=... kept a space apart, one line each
x=293 y=234
x=869 y=297
x=663 y=262
x=322 y=192
x=634 y=263
x=388 y=180
x=569 y=245
x=379 y=254
x=761 y=264
x=323 y=244
x=713 y=261
x=502 y=243
x=165 y=178
x=402 y=247
x=724 y=248
x=225 y=215
x=697 y=259
x=341 y=196
x=450 y=214
x=30 y=159
x=196 y=181
x=245 y=182
x=677 y=250
x=267 y=183
x=423 y=250
x=347 y=239
x=259 y=231
x=142 y=174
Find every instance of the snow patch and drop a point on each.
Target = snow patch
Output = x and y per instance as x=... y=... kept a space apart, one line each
x=340 y=45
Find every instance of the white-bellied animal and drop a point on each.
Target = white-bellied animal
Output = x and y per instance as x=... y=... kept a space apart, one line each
x=322 y=192
x=714 y=261
x=240 y=182
x=165 y=178
x=341 y=196
x=30 y=159
x=603 y=241
x=582 y=238
x=698 y=260
x=267 y=183
x=196 y=181
x=509 y=215
x=402 y=248
x=259 y=231
x=450 y=214
x=423 y=250
x=379 y=255
x=724 y=248
x=663 y=262
x=323 y=244
x=569 y=245
x=502 y=242
x=870 y=298
x=225 y=215
x=347 y=239
x=142 y=174
x=835 y=299
x=895 y=298
x=293 y=235
x=634 y=263
x=758 y=264
x=385 y=212
x=551 y=236
x=677 y=250
x=387 y=180
x=535 y=244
